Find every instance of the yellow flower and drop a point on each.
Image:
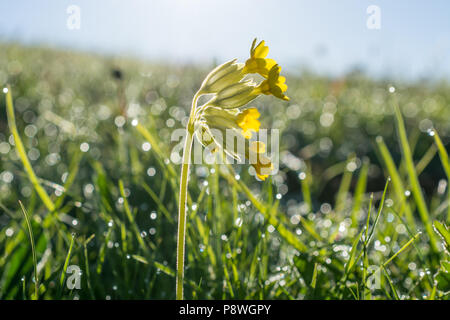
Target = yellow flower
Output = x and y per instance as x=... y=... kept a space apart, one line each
x=248 y=121
x=221 y=123
x=262 y=164
x=258 y=63
x=274 y=85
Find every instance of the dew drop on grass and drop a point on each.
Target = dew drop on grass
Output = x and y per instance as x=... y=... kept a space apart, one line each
x=5 y=90
x=146 y=146
x=151 y=172
x=84 y=147
x=9 y=232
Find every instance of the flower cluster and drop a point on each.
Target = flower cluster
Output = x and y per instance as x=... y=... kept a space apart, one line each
x=232 y=86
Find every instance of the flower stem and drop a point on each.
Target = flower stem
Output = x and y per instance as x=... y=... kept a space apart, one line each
x=181 y=237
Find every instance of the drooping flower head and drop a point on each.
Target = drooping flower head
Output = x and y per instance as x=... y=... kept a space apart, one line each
x=258 y=63
x=224 y=118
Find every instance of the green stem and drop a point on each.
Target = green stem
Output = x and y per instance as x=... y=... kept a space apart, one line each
x=182 y=210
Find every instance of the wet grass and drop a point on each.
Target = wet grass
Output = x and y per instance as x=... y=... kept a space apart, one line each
x=357 y=210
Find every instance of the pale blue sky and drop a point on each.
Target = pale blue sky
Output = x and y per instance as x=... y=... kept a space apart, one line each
x=328 y=36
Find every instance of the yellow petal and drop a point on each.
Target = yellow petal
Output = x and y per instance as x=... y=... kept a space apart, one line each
x=248 y=121
x=257 y=147
x=261 y=50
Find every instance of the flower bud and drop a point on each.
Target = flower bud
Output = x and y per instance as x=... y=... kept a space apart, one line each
x=236 y=95
x=222 y=77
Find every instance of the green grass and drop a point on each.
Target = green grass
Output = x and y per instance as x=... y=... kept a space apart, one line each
x=364 y=197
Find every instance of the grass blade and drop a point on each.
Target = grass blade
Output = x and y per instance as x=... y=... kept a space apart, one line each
x=23 y=155
x=33 y=250
x=413 y=179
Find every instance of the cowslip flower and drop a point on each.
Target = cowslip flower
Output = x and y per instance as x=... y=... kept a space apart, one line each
x=274 y=85
x=224 y=118
x=258 y=63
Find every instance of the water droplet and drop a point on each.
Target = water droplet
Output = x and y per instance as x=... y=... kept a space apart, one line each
x=5 y=90
x=84 y=147
x=146 y=146
x=151 y=172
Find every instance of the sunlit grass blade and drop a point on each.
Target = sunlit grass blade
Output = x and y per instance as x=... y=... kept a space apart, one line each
x=22 y=153
x=446 y=165
x=380 y=209
x=33 y=250
x=413 y=179
x=359 y=192
x=341 y=197
x=66 y=262
x=403 y=248
x=131 y=219
x=426 y=159
x=305 y=180
x=391 y=284
x=397 y=181
x=443 y=232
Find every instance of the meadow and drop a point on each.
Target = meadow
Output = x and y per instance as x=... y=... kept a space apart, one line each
x=358 y=209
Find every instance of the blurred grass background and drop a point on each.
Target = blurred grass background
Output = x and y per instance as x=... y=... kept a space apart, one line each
x=298 y=235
